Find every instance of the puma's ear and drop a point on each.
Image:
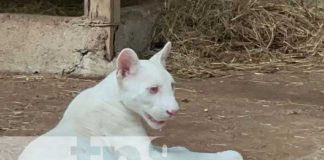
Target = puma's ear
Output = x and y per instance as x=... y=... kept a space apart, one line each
x=127 y=62
x=162 y=55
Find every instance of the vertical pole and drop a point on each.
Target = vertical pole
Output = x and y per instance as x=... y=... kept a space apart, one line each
x=107 y=13
x=86 y=8
x=115 y=19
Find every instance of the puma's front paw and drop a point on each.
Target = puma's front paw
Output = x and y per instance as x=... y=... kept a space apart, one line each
x=230 y=155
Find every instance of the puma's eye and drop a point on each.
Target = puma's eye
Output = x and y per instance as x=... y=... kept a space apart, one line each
x=154 y=90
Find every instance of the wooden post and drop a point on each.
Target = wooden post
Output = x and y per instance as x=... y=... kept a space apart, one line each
x=106 y=14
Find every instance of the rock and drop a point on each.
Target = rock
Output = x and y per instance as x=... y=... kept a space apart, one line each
x=137 y=27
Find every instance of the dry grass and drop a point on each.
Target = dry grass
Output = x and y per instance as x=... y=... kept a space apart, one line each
x=233 y=33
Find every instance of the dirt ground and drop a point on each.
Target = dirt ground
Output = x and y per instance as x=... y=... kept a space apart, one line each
x=264 y=116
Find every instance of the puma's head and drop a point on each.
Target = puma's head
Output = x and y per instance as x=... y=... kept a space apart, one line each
x=146 y=87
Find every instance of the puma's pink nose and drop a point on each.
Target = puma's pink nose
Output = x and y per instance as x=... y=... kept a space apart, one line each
x=171 y=112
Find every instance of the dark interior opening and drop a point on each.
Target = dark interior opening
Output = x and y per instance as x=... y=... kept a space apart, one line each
x=43 y=7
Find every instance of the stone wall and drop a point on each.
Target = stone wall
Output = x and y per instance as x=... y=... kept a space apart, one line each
x=67 y=45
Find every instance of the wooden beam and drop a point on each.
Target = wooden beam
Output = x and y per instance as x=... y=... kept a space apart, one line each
x=105 y=13
x=86 y=8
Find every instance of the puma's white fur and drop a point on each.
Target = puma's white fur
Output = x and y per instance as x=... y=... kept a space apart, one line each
x=136 y=90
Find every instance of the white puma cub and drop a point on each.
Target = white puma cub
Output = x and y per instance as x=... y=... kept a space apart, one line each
x=114 y=109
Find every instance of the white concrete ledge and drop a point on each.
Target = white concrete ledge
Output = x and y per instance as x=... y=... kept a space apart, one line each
x=66 y=45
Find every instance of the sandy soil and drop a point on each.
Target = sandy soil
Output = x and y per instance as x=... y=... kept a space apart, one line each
x=265 y=116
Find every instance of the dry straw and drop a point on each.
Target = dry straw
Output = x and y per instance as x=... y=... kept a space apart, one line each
x=210 y=34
